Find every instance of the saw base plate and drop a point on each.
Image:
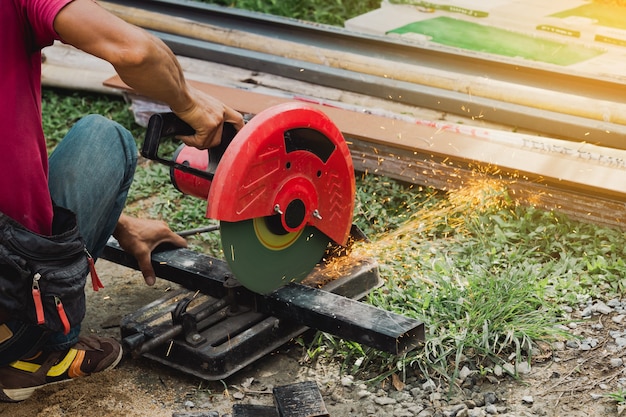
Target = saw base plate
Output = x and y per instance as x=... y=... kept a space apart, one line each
x=234 y=334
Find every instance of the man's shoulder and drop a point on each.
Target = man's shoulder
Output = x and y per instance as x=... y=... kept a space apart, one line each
x=37 y=16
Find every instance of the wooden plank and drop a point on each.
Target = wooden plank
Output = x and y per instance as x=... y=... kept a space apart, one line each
x=442 y=174
x=436 y=143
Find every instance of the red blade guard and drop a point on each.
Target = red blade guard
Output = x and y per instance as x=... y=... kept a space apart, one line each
x=292 y=161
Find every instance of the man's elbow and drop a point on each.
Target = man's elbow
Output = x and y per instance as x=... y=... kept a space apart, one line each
x=135 y=54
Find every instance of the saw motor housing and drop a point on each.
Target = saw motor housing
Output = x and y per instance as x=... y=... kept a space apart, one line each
x=289 y=165
x=289 y=161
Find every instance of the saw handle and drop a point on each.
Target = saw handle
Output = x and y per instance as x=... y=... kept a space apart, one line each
x=164 y=125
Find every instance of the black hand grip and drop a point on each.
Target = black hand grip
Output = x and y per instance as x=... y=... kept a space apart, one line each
x=163 y=125
x=215 y=154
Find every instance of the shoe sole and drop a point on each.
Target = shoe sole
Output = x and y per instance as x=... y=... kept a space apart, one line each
x=16 y=395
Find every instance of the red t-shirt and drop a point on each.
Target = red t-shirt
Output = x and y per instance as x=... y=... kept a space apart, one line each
x=26 y=26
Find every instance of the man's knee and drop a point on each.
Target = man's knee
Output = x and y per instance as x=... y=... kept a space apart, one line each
x=101 y=125
x=108 y=133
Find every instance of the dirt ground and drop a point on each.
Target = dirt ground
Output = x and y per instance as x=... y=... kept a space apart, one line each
x=569 y=382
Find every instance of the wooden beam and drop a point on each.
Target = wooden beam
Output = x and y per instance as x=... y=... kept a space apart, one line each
x=444 y=174
x=587 y=189
x=585 y=182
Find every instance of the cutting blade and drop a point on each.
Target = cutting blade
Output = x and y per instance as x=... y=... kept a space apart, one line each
x=263 y=258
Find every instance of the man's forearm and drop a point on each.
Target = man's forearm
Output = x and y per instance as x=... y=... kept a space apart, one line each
x=156 y=73
x=143 y=61
x=147 y=65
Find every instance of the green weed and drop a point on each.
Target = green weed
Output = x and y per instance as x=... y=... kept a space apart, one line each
x=618 y=396
x=332 y=12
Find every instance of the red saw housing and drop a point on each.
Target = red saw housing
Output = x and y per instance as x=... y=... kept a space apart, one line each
x=290 y=161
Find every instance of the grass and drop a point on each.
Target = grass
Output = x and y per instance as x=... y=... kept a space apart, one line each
x=61 y=109
x=331 y=12
x=486 y=276
x=480 y=288
x=618 y=396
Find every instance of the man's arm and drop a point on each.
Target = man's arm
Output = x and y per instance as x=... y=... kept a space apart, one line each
x=147 y=65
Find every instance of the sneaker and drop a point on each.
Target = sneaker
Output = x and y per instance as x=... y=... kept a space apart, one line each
x=91 y=354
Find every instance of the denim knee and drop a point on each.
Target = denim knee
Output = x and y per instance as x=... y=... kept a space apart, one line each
x=103 y=127
x=90 y=173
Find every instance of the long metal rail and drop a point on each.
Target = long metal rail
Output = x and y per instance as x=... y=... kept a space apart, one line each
x=393 y=50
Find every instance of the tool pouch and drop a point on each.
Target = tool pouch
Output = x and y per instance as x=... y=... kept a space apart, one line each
x=42 y=278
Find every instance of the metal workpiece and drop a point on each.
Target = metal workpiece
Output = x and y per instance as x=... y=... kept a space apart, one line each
x=211 y=331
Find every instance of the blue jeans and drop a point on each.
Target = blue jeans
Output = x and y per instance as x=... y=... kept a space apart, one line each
x=90 y=173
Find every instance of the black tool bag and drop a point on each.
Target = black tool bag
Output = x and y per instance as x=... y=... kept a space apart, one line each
x=42 y=278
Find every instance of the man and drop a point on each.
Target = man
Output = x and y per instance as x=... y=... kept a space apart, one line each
x=89 y=172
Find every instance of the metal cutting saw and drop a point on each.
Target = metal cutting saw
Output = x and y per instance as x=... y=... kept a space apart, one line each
x=283 y=190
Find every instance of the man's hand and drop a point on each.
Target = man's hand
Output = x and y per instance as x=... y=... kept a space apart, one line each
x=206 y=114
x=139 y=237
